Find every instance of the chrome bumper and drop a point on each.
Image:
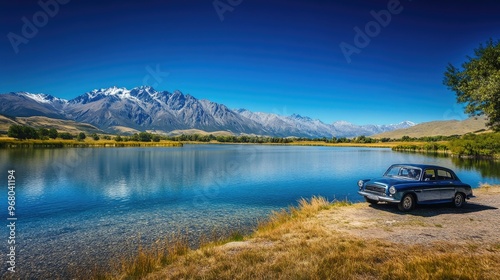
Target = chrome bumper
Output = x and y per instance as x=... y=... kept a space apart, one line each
x=378 y=197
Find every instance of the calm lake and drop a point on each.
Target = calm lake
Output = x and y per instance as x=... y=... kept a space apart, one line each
x=81 y=207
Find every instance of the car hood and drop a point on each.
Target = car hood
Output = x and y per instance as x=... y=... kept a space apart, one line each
x=388 y=181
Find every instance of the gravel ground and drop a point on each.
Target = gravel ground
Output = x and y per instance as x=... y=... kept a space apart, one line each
x=477 y=222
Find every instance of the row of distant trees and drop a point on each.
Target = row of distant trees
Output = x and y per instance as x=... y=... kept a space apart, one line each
x=23 y=132
x=365 y=139
x=473 y=145
x=263 y=139
x=487 y=144
x=250 y=139
x=26 y=132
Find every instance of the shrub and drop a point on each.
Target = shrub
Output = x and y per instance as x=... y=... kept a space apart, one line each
x=22 y=132
x=66 y=136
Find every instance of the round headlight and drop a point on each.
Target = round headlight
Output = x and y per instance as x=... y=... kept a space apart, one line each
x=360 y=183
x=392 y=190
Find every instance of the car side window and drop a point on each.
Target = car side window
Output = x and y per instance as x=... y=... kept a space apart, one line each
x=444 y=175
x=430 y=175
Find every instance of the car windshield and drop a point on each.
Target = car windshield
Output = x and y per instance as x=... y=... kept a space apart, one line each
x=405 y=172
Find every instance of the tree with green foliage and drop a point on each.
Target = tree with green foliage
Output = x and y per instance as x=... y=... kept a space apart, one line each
x=156 y=138
x=16 y=131
x=477 y=84
x=66 y=136
x=43 y=132
x=134 y=137
x=81 y=136
x=405 y=138
x=53 y=133
x=22 y=132
x=144 y=137
x=95 y=136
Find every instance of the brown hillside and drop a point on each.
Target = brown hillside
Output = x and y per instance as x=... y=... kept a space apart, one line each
x=444 y=128
x=39 y=122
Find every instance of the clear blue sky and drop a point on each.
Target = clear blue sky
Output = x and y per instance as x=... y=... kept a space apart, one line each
x=271 y=56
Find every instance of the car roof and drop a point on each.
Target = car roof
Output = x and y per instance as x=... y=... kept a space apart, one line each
x=421 y=166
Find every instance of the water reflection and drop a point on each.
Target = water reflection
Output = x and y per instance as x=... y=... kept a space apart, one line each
x=89 y=201
x=487 y=168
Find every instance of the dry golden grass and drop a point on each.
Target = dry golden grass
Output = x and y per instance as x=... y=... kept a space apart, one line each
x=294 y=244
x=487 y=188
x=291 y=245
x=368 y=145
x=87 y=143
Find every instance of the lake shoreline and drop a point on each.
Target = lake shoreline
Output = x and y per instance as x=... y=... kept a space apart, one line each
x=89 y=206
x=58 y=144
x=438 y=148
x=6 y=143
x=354 y=240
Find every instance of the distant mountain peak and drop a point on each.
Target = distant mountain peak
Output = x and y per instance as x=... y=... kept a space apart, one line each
x=110 y=91
x=42 y=97
x=299 y=117
x=408 y=123
x=148 y=88
x=144 y=108
x=342 y=123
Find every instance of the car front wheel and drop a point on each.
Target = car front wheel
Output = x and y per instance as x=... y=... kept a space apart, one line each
x=458 y=200
x=407 y=203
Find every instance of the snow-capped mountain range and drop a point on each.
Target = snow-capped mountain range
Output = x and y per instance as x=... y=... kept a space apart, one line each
x=144 y=108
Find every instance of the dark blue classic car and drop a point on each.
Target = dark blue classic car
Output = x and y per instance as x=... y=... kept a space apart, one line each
x=410 y=184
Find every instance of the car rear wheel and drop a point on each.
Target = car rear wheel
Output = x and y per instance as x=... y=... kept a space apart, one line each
x=459 y=200
x=407 y=203
x=371 y=201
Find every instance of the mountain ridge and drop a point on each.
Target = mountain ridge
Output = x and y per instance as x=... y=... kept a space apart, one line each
x=143 y=108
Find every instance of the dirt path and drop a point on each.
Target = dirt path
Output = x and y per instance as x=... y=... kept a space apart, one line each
x=477 y=221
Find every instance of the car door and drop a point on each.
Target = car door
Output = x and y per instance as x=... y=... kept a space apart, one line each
x=429 y=189
x=446 y=184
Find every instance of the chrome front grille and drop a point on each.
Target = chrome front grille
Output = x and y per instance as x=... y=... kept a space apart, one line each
x=375 y=189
